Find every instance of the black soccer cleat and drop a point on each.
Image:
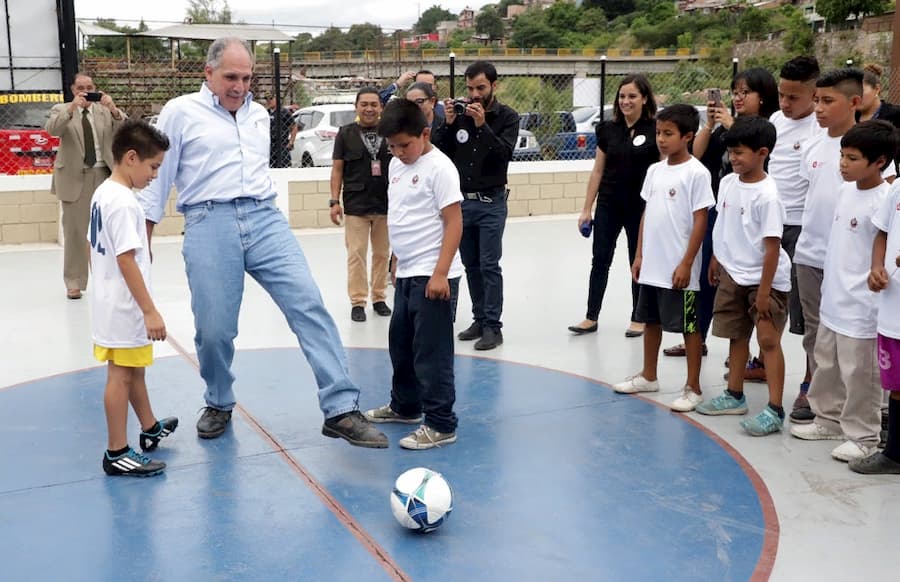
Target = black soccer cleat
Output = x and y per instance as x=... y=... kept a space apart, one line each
x=131 y=464
x=149 y=440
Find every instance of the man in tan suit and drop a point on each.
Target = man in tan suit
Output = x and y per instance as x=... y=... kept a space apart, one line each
x=85 y=127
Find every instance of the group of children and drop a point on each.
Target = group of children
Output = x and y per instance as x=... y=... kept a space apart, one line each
x=846 y=256
x=425 y=223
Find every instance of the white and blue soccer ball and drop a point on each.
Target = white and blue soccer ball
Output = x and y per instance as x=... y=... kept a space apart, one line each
x=421 y=499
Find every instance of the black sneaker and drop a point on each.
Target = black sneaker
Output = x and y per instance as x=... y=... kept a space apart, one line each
x=473 y=332
x=490 y=339
x=381 y=308
x=358 y=313
x=212 y=422
x=882 y=442
x=356 y=430
x=131 y=464
x=164 y=427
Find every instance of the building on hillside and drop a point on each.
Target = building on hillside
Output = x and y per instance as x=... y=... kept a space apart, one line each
x=466 y=18
x=445 y=29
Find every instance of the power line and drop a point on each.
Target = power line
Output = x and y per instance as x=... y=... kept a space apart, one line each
x=273 y=24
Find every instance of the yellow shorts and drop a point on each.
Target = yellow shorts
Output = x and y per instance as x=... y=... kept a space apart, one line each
x=126 y=357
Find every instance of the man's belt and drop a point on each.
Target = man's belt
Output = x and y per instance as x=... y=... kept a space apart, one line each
x=485 y=195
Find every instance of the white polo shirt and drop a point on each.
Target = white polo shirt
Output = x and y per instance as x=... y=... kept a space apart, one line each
x=794 y=138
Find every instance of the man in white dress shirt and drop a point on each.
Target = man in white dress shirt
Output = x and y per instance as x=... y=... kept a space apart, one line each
x=219 y=162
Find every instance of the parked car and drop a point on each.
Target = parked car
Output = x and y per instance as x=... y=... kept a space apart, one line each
x=587 y=118
x=557 y=135
x=527 y=148
x=25 y=146
x=318 y=125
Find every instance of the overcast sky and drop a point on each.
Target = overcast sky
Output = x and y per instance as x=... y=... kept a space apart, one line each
x=389 y=14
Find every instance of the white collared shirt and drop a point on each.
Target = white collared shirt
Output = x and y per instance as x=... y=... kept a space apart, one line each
x=213 y=156
x=90 y=115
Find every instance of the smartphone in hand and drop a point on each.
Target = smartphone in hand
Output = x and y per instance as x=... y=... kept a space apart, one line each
x=715 y=96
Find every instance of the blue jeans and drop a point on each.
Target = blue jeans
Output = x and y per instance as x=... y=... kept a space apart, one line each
x=222 y=241
x=480 y=250
x=421 y=346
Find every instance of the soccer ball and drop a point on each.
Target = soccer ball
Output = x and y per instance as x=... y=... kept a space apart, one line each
x=421 y=499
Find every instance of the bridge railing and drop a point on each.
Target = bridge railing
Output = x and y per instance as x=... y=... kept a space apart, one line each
x=442 y=53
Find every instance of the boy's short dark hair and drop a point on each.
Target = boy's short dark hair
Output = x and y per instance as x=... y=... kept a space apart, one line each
x=482 y=67
x=803 y=69
x=367 y=91
x=751 y=131
x=684 y=116
x=401 y=116
x=140 y=136
x=848 y=81
x=873 y=139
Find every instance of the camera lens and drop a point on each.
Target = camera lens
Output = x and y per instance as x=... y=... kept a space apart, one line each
x=459 y=108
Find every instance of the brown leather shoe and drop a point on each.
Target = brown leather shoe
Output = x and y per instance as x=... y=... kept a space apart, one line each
x=73 y=293
x=680 y=351
x=354 y=428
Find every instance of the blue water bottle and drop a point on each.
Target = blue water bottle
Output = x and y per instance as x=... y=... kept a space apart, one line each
x=586 y=229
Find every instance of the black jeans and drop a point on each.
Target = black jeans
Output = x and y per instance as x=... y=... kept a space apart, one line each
x=480 y=249
x=609 y=220
x=420 y=341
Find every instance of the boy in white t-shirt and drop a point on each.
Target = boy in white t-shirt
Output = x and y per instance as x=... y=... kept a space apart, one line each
x=884 y=279
x=795 y=128
x=678 y=193
x=845 y=394
x=124 y=319
x=838 y=94
x=425 y=227
x=752 y=272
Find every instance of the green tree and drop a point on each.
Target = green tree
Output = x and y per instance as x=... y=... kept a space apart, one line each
x=429 y=19
x=503 y=4
x=798 y=35
x=209 y=12
x=836 y=11
x=333 y=39
x=114 y=46
x=531 y=30
x=562 y=16
x=365 y=36
x=754 y=23
x=592 y=20
x=488 y=22
x=612 y=8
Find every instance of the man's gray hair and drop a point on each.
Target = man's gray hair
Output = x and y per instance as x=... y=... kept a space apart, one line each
x=214 y=54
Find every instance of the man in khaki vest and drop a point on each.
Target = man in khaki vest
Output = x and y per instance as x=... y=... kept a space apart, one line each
x=85 y=127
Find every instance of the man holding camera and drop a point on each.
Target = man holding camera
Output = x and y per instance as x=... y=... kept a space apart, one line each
x=85 y=127
x=480 y=139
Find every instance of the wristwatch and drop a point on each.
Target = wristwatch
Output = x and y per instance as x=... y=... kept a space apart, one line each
x=333 y=202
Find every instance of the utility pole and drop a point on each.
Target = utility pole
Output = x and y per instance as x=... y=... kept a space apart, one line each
x=895 y=59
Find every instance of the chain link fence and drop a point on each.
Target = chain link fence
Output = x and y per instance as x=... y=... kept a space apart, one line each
x=560 y=94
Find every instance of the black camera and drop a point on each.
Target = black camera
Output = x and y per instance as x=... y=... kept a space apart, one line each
x=93 y=96
x=459 y=106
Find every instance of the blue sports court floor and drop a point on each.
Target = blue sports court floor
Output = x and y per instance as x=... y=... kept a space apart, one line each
x=555 y=476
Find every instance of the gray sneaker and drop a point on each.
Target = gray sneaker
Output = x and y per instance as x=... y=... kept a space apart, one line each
x=877 y=464
x=426 y=437
x=386 y=414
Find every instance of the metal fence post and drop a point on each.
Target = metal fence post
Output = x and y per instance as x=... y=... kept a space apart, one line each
x=452 y=75
x=602 y=84
x=276 y=88
x=734 y=72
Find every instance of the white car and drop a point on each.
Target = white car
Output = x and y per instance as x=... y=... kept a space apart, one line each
x=318 y=125
x=587 y=118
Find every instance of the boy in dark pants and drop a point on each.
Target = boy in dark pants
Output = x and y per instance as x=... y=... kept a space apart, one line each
x=425 y=227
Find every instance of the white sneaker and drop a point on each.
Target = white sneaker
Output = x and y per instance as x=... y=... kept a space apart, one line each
x=635 y=384
x=687 y=401
x=852 y=451
x=815 y=432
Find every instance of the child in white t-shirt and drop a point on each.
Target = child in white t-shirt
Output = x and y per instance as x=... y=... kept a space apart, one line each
x=425 y=227
x=678 y=193
x=795 y=129
x=124 y=319
x=845 y=394
x=752 y=272
x=884 y=279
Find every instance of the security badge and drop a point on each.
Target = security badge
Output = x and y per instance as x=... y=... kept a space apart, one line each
x=376 y=168
x=462 y=136
x=639 y=140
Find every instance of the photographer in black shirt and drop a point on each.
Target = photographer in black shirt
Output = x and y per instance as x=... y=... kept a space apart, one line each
x=480 y=137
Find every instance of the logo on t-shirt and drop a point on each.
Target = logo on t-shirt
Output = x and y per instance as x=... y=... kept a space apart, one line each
x=853 y=223
x=797 y=146
x=898 y=207
x=815 y=164
x=462 y=136
x=672 y=193
x=415 y=179
x=395 y=179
